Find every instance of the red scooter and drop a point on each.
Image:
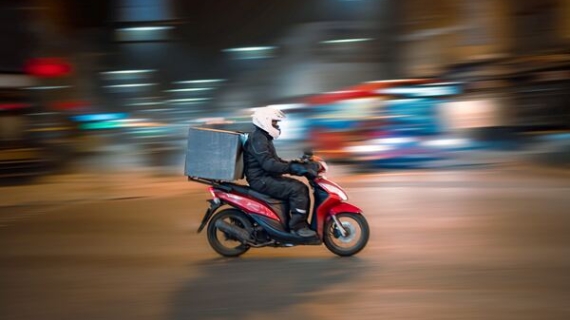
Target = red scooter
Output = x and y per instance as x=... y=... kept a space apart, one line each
x=254 y=220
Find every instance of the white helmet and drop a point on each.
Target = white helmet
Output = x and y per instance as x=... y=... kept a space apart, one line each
x=263 y=118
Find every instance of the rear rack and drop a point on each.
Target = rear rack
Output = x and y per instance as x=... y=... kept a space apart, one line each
x=220 y=184
x=204 y=181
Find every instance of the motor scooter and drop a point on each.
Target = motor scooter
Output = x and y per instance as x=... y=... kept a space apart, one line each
x=240 y=218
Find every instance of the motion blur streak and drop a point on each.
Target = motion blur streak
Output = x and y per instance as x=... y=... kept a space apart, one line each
x=447 y=122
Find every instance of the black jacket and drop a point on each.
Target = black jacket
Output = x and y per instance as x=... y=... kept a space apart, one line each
x=260 y=158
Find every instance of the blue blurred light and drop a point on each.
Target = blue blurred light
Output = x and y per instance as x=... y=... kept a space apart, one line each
x=99 y=117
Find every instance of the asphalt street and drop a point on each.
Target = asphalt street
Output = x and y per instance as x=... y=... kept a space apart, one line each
x=485 y=243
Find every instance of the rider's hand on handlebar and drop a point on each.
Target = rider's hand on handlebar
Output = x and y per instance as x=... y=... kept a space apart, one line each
x=311 y=174
x=306 y=170
x=313 y=165
x=297 y=169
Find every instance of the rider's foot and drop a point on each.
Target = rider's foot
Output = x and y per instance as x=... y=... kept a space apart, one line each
x=305 y=232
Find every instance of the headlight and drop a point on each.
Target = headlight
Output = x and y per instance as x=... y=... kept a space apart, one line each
x=324 y=165
x=331 y=188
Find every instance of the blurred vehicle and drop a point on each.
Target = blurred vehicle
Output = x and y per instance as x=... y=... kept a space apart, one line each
x=384 y=123
x=158 y=143
x=35 y=137
x=32 y=140
x=153 y=142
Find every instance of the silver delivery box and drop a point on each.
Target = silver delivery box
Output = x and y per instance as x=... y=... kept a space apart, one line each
x=214 y=154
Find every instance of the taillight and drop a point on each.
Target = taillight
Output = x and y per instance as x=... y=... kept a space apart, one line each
x=47 y=67
x=211 y=189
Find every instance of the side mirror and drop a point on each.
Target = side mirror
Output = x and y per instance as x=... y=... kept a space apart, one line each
x=307 y=154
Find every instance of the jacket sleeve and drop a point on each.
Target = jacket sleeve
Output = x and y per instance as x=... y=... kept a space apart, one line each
x=269 y=161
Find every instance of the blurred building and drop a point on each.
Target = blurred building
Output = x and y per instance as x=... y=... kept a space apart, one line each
x=311 y=58
x=436 y=34
x=171 y=49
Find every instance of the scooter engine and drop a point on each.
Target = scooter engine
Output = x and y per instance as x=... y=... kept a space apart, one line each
x=260 y=235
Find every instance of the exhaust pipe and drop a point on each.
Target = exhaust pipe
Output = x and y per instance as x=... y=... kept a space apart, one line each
x=239 y=233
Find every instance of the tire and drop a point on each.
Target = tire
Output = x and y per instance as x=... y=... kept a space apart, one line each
x=223 y=243
x=354 y=241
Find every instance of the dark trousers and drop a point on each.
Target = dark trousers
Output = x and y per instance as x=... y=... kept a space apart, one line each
x=287 y=189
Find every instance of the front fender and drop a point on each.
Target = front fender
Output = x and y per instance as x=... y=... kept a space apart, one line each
x=336 y=209
x=344 y=207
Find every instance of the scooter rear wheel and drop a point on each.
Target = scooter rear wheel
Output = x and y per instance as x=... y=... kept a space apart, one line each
x=223 y=243
x=355 y=239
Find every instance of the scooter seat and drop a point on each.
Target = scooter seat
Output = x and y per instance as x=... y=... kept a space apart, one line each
x=250 y=192
x=264 y=197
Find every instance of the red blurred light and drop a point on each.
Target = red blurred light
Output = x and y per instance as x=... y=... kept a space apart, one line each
x=13 y=106
x=363 y=90
x=69 y=105
x=48 y=67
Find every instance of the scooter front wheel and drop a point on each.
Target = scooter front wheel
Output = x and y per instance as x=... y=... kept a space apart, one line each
x=224 y=243
x=355 y=238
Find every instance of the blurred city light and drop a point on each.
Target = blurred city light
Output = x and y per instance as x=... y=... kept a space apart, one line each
x=99 y=117
x=201 y=81
x=48 y=87
x=189 y=100
x=126 y=72
x=251 y=52
x=144 y=33
x=189 y=90
x=48 y=67
x=249 y=49
x=385 y=78
x=144 y=29
x=131 y=85
x=347 y=40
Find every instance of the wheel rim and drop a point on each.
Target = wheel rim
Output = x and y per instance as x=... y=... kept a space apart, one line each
x=350 y=232
x=353 y=233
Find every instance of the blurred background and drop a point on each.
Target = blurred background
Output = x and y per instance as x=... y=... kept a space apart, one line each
x=376 y=84
x=446 y=121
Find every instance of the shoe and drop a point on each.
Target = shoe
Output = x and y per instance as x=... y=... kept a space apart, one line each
x=305 y=232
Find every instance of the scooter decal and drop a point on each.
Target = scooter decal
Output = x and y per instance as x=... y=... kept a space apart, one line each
x=247 y=204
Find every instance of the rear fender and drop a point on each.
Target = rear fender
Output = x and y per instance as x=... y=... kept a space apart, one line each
x=215 y=204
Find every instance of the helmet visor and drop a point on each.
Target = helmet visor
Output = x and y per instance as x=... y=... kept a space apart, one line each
x=275 y=124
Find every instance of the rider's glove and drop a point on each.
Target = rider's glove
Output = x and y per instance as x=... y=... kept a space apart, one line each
x=311 y=174
x=312 y=165
x=297 y=169
x=304 y=169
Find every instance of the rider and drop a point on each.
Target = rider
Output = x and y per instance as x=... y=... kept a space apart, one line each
x=264 y=169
